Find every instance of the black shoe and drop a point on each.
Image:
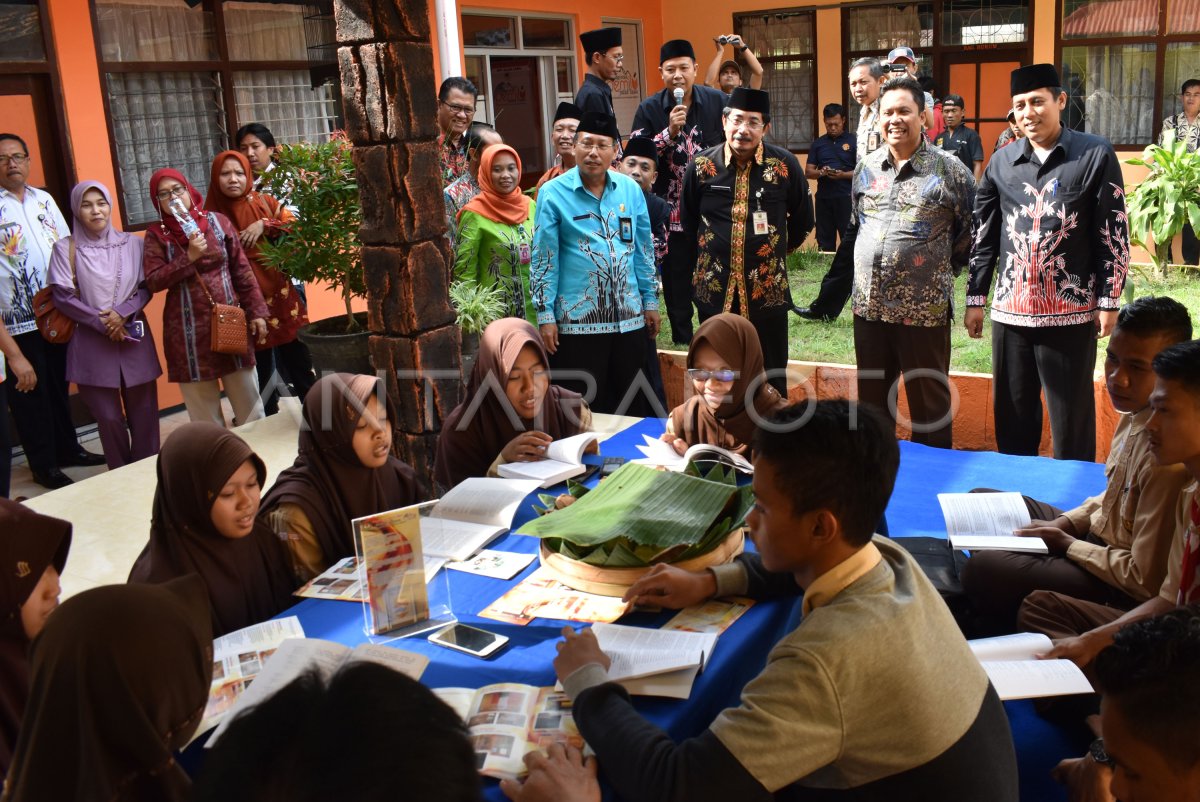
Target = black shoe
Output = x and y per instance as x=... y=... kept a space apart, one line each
x=807 y=313
x=52 y=478
x=82 y=459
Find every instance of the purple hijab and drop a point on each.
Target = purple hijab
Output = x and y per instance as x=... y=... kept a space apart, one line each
x=108 y=265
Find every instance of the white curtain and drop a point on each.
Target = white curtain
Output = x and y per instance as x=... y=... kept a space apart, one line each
x=172 y=119
x=285 y=102
x=144 y=30
x=884 y=27
x=264 y=32
x=1115 y=86
x=776 y=36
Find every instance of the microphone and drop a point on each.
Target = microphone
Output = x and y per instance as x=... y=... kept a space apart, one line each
x=678 y=96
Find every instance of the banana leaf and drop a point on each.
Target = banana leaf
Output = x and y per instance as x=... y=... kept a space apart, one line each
x=648 y=507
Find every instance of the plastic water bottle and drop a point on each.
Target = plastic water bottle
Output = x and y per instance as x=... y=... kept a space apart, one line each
x=185 y=220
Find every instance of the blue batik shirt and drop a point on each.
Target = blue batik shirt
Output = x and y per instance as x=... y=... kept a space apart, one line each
x=593 y=258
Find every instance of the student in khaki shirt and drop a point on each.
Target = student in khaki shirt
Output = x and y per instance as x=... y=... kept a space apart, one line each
x=1111 y=549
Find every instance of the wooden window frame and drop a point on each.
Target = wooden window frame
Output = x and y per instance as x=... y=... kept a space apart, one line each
x=1158 y=40
x=811 y=11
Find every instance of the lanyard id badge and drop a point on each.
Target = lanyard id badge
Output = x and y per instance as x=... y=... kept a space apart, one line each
x=760 y=223
x=524 y=251
x=626 y=229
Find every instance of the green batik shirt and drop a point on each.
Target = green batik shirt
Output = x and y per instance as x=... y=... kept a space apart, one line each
x=497 y=254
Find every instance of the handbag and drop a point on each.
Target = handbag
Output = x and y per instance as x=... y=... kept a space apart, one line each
x=52 y=323
x=229 y=332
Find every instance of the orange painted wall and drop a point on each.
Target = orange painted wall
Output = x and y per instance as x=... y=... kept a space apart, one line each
x=87 y=126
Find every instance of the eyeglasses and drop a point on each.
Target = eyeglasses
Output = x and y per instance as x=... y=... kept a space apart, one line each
x=618 y=59
x=752 y=125
x=697 y=375
x=459 y=111
x=178 y=192
x=14 y=158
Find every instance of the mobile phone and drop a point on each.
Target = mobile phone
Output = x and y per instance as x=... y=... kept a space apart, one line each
x=137 y=329
x=611 y=464
x=472 y=640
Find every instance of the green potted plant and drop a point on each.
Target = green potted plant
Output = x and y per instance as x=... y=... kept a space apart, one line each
x=317 y=179
x=477 y=306
x=1166 y=200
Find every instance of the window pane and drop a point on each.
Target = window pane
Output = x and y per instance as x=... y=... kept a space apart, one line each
x=476 y=73
x=563 y=75
x=881 y=28
x=983 y=22
x=285 y=102
x=480 y=31
x=777 y=33
x=790 y=83
x=154 y=30
x=539 y=33
x=1091 y=19
x=1110 y=91
x=20 y=31
x=265 y=32
x=1183 y=16
x=1182 y=63
x=169 y=119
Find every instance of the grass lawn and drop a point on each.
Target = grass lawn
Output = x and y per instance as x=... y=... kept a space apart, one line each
x=834 y=342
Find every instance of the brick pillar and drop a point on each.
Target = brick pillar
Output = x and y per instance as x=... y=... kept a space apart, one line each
x=390 y=98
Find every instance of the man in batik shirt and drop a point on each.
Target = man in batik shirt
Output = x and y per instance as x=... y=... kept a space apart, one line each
x=466 y=186
x=456 y=109
x=1186 y=127
x=1050 y=223
x=680 y=130
x=744 y=206
x=910 y=230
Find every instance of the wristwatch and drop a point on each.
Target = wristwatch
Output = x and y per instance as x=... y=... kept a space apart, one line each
x=1097 y=753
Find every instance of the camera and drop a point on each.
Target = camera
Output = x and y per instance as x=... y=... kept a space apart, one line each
x=896 y=68
x=722 y=40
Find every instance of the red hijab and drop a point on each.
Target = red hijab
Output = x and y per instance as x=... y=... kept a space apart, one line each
x=511 y=208
x=171 y=227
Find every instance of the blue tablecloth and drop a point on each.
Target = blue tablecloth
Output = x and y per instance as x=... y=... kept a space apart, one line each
x=741 y=651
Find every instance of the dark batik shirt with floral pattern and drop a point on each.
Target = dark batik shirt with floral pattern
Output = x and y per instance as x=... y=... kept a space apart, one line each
x=1055 y=234
x=1188 y=133
x=454 y=158
x=912 y=235
x=737 y=270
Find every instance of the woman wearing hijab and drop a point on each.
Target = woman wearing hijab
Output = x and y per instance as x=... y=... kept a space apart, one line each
x=204 y=522
x=731 y=394
x=519 y=413
x=495 y=232
x=207 y=268
x=257 y=217
x=120 y=680
x=97 y=279
x=33 y=552
x=344 y=469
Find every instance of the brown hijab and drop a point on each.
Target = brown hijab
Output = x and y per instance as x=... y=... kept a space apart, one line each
x=483 y=424
x=327 y=480
x=249 y=207
x=120 y=680
x=249 y=579
x=732 y=426
x=30 y=542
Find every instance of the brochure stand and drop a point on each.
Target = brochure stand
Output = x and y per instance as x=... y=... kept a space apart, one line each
x=401 y=600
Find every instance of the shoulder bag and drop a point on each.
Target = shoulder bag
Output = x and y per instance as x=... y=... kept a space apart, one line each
x=230 y=334
x=53 y=324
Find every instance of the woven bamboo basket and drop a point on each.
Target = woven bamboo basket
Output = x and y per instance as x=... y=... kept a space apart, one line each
x=615 y=581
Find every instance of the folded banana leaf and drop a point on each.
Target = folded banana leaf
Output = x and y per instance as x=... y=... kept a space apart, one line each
x=658 y=514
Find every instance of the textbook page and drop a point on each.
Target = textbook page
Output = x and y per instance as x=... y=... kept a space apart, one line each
x=1021 y=646
x=1029 y=679
x=660 y=452
x=639 y=640
x=472 y=515
x=987 y=521
x=564 y=459
x=570 y=449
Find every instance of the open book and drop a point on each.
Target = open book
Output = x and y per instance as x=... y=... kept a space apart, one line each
x=238 y=658
x=987 y=521
x=470 y=516
x=564 y=459
x=654 y=662
x=297 y=656
x=660 y=452
x=1015 y=671
x=507 y=720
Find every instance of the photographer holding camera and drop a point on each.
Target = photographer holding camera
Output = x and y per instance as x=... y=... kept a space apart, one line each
x=902 y=61
x=726 y=75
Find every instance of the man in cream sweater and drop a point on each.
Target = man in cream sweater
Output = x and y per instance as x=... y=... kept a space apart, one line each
x=874 y=695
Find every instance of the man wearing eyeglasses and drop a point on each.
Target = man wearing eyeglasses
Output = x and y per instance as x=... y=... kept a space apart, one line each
x=743 y=207
x=456 y=109
x=1186 y=127
x=602 y=50
x=30 y=224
